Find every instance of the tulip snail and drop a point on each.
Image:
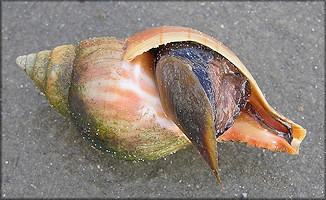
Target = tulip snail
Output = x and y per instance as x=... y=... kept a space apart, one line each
x=157 y=91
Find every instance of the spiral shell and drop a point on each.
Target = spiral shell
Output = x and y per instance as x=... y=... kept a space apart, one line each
x=108 y=88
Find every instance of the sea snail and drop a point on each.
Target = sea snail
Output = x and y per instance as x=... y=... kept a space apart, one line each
x=152 y=93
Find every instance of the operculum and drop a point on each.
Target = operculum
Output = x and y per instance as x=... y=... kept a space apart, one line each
x=186 y=103
x=202 y=92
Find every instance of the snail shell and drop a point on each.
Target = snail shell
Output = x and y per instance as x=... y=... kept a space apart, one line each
x=121 y=94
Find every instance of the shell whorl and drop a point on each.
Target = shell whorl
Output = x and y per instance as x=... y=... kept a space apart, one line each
x=51 y=72
x=91 y=84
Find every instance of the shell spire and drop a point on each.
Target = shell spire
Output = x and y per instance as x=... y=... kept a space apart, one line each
x=51 y=72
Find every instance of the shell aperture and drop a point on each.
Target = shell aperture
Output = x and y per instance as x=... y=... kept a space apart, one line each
x=225 y=87
x=201 y=93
